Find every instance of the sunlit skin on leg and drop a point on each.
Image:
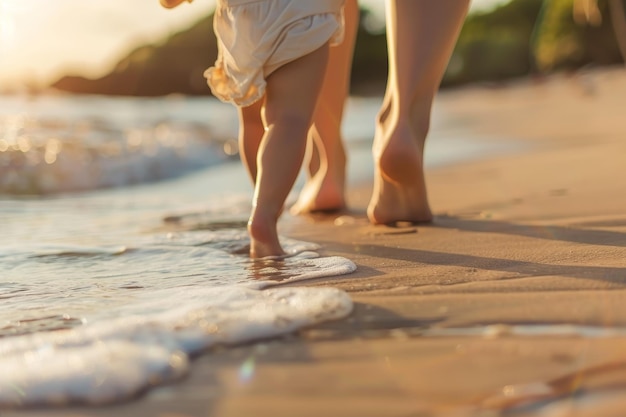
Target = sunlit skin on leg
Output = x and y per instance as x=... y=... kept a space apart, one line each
x=287 y=119
x=324 y=189
x=421 y=35
x=251 y=131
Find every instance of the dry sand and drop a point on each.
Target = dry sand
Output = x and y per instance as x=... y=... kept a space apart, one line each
x=513 y=303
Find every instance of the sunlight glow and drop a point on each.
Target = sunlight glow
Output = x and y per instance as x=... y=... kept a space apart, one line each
x=21 y=29
x=7 y=26
x=41 y=40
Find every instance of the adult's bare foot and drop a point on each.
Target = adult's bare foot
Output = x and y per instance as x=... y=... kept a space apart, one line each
x=399 y=193
x=322 y=192
x=324 y=189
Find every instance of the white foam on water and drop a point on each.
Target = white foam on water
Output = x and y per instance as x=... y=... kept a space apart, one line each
x=114 y=360
x=97 y=374
x=308 y=265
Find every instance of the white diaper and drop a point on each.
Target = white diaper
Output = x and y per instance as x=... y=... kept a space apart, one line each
x=256 y=37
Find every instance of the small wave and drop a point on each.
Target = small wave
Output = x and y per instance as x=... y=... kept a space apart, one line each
x=76 y=251
x=41 y=156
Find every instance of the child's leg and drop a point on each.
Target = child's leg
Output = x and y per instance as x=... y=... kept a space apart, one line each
x=291 y=97
x=251 y=131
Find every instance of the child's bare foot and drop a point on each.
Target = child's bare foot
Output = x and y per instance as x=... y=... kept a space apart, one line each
x=399 y=184
x=263 y=236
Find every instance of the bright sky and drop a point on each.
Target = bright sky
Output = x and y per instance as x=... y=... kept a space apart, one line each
x=43 y=39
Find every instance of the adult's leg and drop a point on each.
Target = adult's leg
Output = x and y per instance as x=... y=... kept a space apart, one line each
x=325 y=185
x=251 y=131
x=421 y=35
x=291 y=97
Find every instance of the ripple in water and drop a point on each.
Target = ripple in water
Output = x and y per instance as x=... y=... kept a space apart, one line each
x=138 y=312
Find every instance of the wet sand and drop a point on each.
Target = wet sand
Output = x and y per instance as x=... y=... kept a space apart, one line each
x=512 y=303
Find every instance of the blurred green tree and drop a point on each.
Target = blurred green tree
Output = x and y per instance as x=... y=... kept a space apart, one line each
x=495 y=45
x=573 y=33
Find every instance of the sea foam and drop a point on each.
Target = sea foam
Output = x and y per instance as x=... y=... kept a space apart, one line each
x=114 y=360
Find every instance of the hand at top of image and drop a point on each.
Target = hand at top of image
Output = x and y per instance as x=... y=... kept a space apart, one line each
x=170 y=4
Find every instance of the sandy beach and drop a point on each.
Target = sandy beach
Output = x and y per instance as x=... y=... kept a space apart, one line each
x=512 y=303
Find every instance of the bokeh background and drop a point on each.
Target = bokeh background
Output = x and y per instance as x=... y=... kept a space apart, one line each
x=140 y=49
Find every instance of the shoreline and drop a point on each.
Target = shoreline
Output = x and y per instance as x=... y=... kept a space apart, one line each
x=535 y=237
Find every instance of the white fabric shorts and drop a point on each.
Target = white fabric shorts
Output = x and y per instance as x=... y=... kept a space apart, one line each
x=256 y=37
